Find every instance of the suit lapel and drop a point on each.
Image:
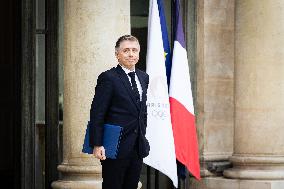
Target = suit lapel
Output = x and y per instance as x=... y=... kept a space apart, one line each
x=126 y=84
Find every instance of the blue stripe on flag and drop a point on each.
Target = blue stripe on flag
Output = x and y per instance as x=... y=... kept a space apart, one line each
x=179 y=35
x=166 y=43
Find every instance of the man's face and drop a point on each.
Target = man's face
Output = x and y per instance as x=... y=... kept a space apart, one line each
x=128 y=54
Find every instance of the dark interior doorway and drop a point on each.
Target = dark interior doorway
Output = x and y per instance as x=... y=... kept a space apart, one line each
x=10 y=93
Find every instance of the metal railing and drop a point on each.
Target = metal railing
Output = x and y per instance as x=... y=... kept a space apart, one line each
x=153 y=179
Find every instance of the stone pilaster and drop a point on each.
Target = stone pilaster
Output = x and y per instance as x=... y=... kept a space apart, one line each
x=259 y=91
x=258 y=158
x=215 y=80
x=91 y=29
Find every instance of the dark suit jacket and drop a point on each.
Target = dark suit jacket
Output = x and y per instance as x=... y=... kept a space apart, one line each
x=114 y=103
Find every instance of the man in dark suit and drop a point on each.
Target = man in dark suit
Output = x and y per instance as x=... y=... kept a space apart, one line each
x=120 y=99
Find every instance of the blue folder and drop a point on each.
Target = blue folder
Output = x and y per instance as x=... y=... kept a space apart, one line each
x=111 y=140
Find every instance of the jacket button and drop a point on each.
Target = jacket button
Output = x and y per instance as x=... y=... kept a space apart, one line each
x=135 y=131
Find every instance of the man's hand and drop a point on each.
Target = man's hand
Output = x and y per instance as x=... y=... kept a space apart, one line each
x=99 y=152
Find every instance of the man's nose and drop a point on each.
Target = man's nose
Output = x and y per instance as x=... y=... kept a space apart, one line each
x=131 y=53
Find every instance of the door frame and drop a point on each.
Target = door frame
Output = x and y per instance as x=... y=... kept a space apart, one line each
x=28 y=94
x=52 y=128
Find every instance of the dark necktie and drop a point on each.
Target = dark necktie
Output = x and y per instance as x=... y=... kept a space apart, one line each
x=134 y=87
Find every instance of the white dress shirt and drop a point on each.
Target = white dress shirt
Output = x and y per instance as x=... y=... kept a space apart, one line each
x=136 y=80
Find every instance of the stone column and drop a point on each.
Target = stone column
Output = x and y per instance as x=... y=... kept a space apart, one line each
x=215 y=81
x=91 y=29
x=259 y=94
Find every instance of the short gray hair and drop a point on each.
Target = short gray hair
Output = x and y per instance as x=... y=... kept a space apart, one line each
x=125 y=38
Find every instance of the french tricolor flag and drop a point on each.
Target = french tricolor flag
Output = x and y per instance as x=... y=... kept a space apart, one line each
x=181 y=103
x=159 y=131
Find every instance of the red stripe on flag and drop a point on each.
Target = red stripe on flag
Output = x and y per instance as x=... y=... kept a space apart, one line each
x=184 y=130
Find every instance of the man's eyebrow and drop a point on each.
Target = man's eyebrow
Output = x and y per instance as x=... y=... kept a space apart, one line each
x=130 y=48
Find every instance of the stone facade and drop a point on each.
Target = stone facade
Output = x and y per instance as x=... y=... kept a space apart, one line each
x=88 y=50
x=239 y=88
x=215 y=80
x=251 y=39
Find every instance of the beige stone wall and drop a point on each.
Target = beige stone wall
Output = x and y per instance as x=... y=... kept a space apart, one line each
x=258 y=158
x=259 y=91
x=260 y=77
x=91 y=28
x=215 y=78
x=90 y=32
x=221 y=183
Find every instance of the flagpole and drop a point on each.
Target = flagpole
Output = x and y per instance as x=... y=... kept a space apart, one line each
x=148 y=177
x=159 y=129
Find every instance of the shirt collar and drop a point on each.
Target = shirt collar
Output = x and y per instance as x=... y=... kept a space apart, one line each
x=127 y=71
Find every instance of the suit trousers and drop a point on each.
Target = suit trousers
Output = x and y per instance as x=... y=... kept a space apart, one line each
x=122 y=173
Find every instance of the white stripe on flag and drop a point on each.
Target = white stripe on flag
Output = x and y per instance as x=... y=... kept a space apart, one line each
x=180 y=87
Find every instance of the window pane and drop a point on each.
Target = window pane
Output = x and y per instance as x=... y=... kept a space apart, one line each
x=139 y=10
x=40 y=14
x=40 y=111
x=40 y=78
